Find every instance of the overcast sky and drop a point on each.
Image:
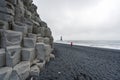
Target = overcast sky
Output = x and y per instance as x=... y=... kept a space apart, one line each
x=81 y=19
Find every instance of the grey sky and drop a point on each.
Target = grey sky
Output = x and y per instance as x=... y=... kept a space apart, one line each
x=81 y=19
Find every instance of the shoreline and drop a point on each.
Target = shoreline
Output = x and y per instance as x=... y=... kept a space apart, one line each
x=78 y=45
x=82 y=63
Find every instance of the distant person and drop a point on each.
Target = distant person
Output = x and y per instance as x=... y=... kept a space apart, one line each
x=71 y=44
x=61 y=38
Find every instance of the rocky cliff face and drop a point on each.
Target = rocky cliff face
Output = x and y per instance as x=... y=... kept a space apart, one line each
x=25 y=40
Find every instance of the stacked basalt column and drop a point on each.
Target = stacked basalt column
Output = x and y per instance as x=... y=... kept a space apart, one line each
x=25 y=40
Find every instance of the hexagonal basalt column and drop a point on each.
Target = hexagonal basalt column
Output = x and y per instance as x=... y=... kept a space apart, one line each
x=2 y=38
x=41 y=64
x=46 y=40
x=12 y=38
x=30 y=35
x=20 y=28
x=22 y=69
x=48 y=51
x=3 y=24
x=13 y=55
x=29 y=42
x=5 y=73
x=34 y=71
x=14 y=76
x=2 y=57
x=40 y=39
x=28 y=54
x=40 y=51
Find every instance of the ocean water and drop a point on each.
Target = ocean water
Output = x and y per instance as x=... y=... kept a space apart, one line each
x=112 y=44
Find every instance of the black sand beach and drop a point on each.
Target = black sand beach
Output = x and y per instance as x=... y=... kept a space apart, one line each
x=82 y=63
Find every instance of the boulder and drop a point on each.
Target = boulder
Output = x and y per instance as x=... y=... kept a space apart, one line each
x=2 y=57
x=52 y=56
x=40 y=51
x=13 y=55
x=34 y=71
x=28 y=54
x=41 y=64
x=5 y=73
x=35 y=61
x=29 y=42
x=12 y=38
x=22 y=70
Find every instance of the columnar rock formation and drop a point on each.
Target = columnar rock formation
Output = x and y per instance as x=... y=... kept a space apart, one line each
x=25 y=40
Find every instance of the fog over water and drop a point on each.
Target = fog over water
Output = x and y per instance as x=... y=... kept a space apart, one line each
x=81 y=19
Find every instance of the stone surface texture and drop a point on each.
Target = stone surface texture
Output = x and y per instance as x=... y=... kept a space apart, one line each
x=5 y=73
x=25 y=40
x=82 y=63
x=13 y=54
x=2 y=57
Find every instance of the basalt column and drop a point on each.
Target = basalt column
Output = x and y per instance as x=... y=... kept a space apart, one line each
x=25 y=40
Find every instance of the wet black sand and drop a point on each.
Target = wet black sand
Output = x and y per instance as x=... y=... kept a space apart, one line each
x=82 y=63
